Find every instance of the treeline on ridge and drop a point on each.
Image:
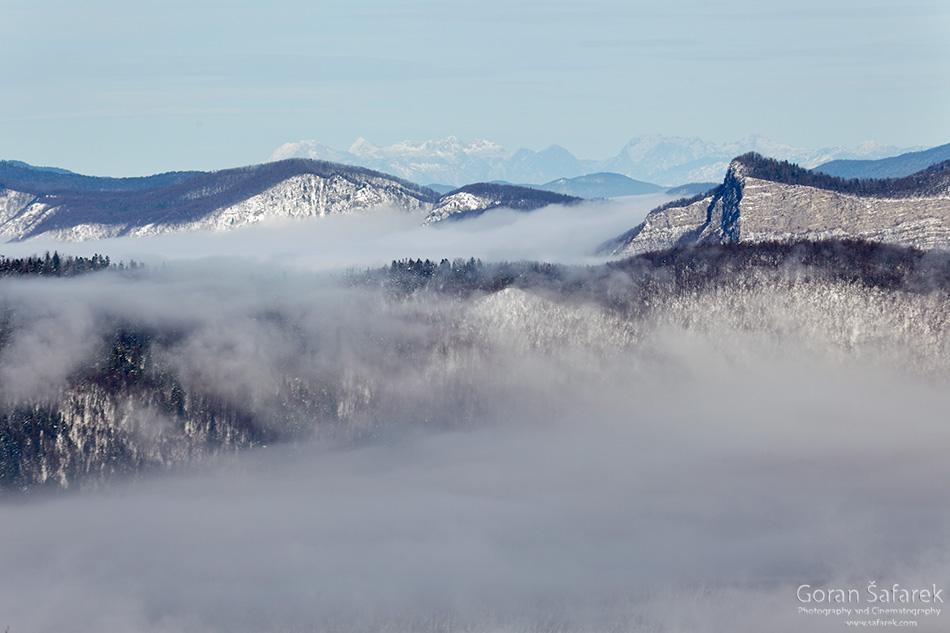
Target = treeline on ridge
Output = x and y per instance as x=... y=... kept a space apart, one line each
x=59 y=266
x=923 y=182
x=194 y=195
x=870 y=264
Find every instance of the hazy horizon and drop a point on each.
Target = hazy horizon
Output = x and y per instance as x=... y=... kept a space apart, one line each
x=113 y=90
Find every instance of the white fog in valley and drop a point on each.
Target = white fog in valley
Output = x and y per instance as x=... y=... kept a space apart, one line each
x=553 y=234
x=520 y=460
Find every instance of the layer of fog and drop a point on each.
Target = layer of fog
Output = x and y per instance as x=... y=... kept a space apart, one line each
x=606 y=477
x=686 y=495
x=685 y=478
x=374 y=238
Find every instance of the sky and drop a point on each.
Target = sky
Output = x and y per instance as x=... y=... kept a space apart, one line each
x=118 y=88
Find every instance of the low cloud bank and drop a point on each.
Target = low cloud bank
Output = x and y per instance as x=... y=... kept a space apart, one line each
x=522 y=460
x=373 y=238
x=583 y=472
x=670 y=500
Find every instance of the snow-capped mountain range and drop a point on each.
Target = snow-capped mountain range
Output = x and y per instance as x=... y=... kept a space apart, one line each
x=664 y=160
x=72 y=207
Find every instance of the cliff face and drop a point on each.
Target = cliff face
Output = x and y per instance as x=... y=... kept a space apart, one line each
x=751 y=206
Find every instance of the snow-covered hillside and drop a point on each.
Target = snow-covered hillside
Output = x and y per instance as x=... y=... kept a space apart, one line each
x=147 y=374
x=751 y=206
x=77 y=208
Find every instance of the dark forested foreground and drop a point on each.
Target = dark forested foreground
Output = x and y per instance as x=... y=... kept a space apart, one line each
x=146 y=373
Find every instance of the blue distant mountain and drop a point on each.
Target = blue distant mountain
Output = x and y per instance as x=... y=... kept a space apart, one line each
x=601 y=185
x=691 y=189
x=45 y=180
x=54 y=170
x=894 y=167
x=591 y=186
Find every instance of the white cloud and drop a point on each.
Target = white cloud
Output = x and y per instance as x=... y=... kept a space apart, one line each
x=554 y=234
x=536 y=480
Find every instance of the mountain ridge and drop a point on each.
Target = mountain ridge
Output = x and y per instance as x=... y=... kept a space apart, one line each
x=601 y=185
x=892 y=167
x=48 y=180
x=74 y=208
x=665 y=160
x=764 y=199
x=475 y=199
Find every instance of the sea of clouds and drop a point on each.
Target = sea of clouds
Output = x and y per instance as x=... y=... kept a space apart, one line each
x=685 y=477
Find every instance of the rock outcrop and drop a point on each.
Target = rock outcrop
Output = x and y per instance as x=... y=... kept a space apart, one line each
x=763 y=200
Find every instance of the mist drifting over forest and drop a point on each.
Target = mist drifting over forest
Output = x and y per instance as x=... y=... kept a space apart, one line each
x=660 y=445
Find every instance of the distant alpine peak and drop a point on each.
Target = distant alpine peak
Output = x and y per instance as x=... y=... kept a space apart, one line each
x=869 y=148
x=361 y=146
x=308 y=149
x=448 y=146
x=665 y=160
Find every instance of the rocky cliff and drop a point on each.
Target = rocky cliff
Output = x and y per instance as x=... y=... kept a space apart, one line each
x=764 y=200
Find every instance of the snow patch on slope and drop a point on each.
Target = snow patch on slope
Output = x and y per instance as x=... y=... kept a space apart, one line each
x=750 y=209
x=457 y=203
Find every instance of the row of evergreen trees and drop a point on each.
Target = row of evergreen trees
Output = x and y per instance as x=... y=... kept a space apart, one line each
x=459 y=276
x=627 y=281
x=788 y=173
x=56 y=265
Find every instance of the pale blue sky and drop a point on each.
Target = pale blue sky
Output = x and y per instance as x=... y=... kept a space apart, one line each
x=130 y=88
